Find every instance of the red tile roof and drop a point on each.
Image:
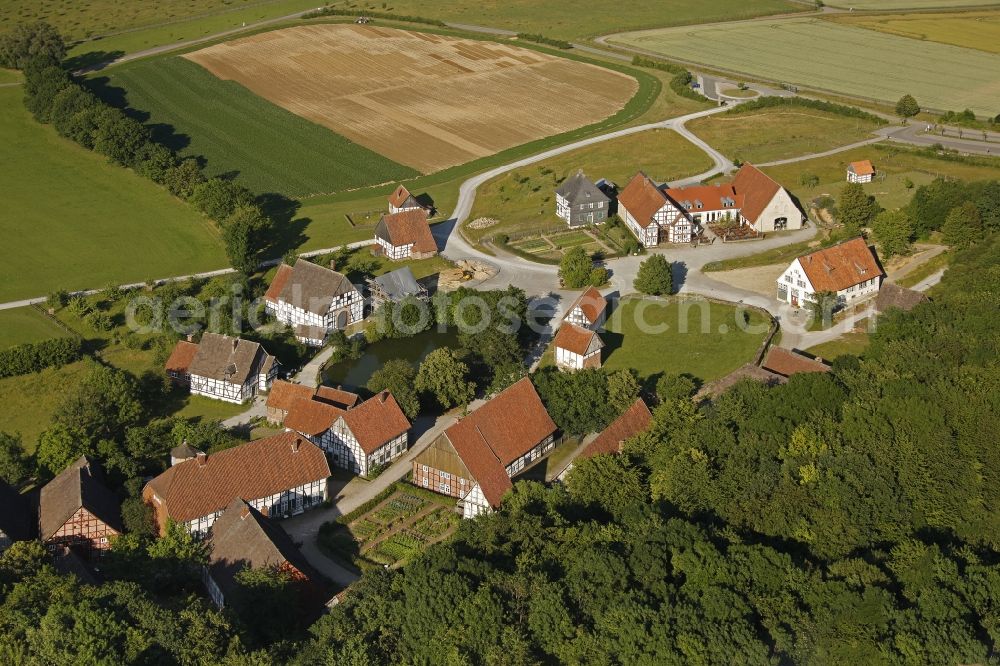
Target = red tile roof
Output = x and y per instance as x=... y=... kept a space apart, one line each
x=399 y=196
x=576 y=339
x=278 y=283
x=862 y=168
x=591 y=303
x=376 y=421
x=283 y=394
x=264 y=467
x=311 y=417
x=498 y=433
x=840 y=266
x=181 y=357
x=786 y=362
x=757 y=190
x=337 y=397
x=633 y=420
x=408 y=226
x=642 y=198
x=710 y=196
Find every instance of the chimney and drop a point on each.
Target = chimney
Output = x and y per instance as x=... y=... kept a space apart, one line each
x=295 y=445
x=383 y=396
x=201 y=458
x=244 y=511
x=190 y=337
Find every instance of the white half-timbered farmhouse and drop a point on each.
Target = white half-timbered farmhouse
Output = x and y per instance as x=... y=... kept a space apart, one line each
x=405 y=235
x=848 y=269
x=279 y=476
x=221 y=367
x=311 y=295
x=588 y=310
x=577 y=348
x=860 y=172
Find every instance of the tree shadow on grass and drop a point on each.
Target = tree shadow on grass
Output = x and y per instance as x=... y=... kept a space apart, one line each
x=164 y=134
x=91 y=61
x=287 y=232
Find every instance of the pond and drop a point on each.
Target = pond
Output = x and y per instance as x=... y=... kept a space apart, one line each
x=355 y=374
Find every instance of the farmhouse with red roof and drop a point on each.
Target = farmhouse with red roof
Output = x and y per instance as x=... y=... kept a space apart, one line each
x=848 y=269
x=860 y=172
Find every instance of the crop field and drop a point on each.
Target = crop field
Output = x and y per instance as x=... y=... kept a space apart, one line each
x=524 y=200
x=824 y=55
x=424 y=100
x=235 y=131
x=774 y=134
x=974 y=30
x=72 y=221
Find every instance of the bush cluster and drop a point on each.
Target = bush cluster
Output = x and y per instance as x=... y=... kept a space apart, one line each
x=680 y=83
x=818 y=104
x=542 y=39
x=35 y=356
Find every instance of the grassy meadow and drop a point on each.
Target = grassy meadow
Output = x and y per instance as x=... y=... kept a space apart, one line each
x=779 y=133
x=701 y=338
x=20 y=325
x=524 y=199
x=236 y=132
x=974 y=30
x=892 y=5
x=73 y=221
x=812 y=52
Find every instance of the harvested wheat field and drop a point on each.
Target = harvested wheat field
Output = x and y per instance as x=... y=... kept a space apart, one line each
x=426 y=101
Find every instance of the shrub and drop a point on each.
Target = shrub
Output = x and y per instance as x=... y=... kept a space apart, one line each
x=80 y=306
x=99 y=321
x=57 y=299
x=542 y=39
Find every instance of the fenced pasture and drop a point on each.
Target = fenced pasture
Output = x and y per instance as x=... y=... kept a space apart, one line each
x=237 y=132
x=829 y=56
x=424 y=100
x=974 y=30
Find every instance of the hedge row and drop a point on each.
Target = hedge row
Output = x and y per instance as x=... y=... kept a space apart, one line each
x=681 y=81
x=35 y=356
x=330 y=11
x=542 y=39
x=818 y=104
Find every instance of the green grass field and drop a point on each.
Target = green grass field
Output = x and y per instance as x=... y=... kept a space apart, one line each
x=10 y=76
x=974 y=30
x=891 y=5
x=701 y=338
x=72 y=221
x=21 y=325
x=822 y=55
x=774 y=134
x=524 y=200
x=853 y=343
x=270 y=149
x=30 y=401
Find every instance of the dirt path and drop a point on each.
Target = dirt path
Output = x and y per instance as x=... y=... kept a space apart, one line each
x=923 y=254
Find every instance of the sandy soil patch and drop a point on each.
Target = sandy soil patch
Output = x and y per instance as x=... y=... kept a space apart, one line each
x=759 y=279
x=427 y=101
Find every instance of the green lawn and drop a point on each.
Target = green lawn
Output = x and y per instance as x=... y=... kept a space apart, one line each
x=853 y=343
x=524 y=199
x=73 y=221
x=10 y=76
x=811 y=52
x=774 y=134
x=22 y=325
x=30 y=401
x=700 y=338
x=237 y=132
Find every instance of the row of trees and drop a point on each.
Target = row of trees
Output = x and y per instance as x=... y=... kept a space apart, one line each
x=34 y=356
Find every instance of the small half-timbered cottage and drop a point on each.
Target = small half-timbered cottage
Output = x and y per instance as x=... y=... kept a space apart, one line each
x=243 y=538
x=372 y=434
x=589 y=310
x=311 y=295
x=284 y=394
x=401 y=201
x=476 y=459
x=225 y=368
x=848 y=269
x=77 y=510
x=860 y=172
x=577 y=347
x=395 y=286
x=580 y=203
x=15 y=517
x=279 y=476
x=405 y=235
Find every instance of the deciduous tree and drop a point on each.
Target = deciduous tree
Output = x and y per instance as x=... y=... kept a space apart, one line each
x=963 y=226
x=446 y=378
x=892 y=230
x=29 y=41
x=575 y=268
x=856 y=209
x=907 y=106
x=654 y=276
x=398 y=377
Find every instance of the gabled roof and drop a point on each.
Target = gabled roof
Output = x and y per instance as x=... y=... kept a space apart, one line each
x=498 y=433
x=787 y=362
x=401 y=198
x=840 y=266
x=862 y=168
x=311 y=417
x=633 y=420
x=710 y=197
x=312 y=287
x=278 y=283
x=337 y=397
x=15 y=514
x=591 y=303
x=181 y=357
x=406 y=227
x=283 y=394
x=642 y=198
x=757 y=190
x=224 y=358
x=398 y=284
x=78 y=486
x=196 y=488
x=891 y=295
x=578 y=189
x=243 y=538
x=376 y=421
x=577 y=340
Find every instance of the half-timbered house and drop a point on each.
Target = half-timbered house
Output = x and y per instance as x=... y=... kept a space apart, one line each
x=179 y=362
x=183 y=452
x=401 y=201
x=577 y=347
x=15 y=517
x=311 y=336
x=476 y=459
x=243 y=538
x=848 y=269
x=645 y=209
x=860 y=172
x=279 y=476
x=308 y=294
x=225 y=368
x=76 y=510
x=405 y=235
x=580 y=203
x=589 y=310
x=284 y=394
